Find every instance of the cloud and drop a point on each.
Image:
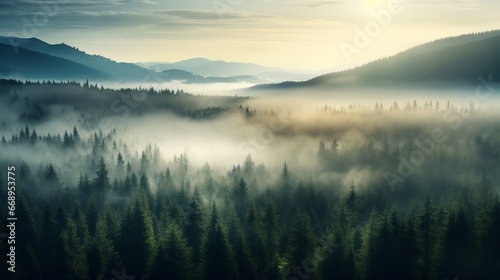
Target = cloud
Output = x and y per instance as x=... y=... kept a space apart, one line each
x=299 y=33
x=28 y=6
x=199 y=14
x=212 y=15
x=311 y=4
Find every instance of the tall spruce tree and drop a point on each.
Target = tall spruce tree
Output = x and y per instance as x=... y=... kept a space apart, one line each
x=217 y=254
x=173 y=260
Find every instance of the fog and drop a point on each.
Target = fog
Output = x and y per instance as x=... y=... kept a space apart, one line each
x=219 y=89
x=250 y=173
x=372 y=130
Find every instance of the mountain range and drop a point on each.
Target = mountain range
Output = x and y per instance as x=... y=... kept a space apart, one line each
x=31 y=58
x=206 y=67
x=24 y=63
x=460 y=59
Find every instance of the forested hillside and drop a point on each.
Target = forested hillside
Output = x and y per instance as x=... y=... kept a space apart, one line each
x=92 y=203
x=441 y=61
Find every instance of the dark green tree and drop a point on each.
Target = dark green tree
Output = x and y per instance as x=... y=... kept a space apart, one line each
x=27 y=241
x=82 y=228
x=217 y=254
x=173 y=260
x=49 y=259
x=75 y=261
x=195 y=229
x=301 y=246
x=427 y=237
x=120 y=163
x=102 y=257
x=457 y=258
x=138 y=244
x=101 y=182
x=240 y=195
x=270 y=234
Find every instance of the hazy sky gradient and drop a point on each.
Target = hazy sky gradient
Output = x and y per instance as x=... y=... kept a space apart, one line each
x=295 y=34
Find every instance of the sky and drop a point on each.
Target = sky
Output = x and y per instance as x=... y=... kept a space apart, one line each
x=299 y=34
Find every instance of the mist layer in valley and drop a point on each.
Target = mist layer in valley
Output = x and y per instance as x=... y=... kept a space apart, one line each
x=328 y=140
x=293 y=159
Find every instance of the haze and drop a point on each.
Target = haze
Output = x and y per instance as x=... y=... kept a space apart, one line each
x=306 y=34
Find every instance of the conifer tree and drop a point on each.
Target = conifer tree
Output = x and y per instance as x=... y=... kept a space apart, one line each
x=217 y=254
x=51 y=247
x=102 y=256
x=75 y=262
x=368 y=243
x=120 y=163
x=28 y=264
x=302 y=241
x=427 y=236
x=270 y=233
x=101 y=182
x=240 y=195
x=173 y=260
x=80 y=221
x=138 y=245
x=195 y=225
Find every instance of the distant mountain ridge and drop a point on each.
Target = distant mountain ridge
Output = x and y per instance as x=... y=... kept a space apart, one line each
x=449 y=60
x=114 y=70
x=32 y=58
x=206 y=67
x=26 y=63
x=455 y=59
x=188 y=77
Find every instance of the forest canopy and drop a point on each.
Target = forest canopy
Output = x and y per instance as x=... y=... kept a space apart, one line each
x=167 y=184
